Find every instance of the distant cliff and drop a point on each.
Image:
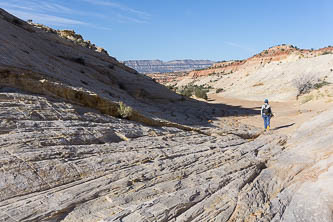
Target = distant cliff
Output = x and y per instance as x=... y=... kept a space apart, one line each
x=158 y=66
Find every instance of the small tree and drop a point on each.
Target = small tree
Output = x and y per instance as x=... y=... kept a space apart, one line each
x=304 y=83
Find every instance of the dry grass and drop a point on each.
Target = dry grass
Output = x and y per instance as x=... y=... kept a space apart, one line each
x=307 y=98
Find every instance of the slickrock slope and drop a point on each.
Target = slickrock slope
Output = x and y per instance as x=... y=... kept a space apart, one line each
x=270 y=73
x=65 y=155
x=158 y=66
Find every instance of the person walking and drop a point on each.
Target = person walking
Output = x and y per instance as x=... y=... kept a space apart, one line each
x=266 y=114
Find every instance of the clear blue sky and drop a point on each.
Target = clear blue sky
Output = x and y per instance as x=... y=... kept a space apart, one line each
x=186 y=29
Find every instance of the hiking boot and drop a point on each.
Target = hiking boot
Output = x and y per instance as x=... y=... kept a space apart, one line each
x=267 y=128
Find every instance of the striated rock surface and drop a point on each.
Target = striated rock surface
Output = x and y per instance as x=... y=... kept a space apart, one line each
x=66 y=155
x=158 y=66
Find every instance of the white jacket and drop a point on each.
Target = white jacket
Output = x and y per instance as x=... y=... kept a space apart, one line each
x=265 y=106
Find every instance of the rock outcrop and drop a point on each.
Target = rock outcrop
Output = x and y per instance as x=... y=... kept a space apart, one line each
x=271 y=73
x=70 y=35
x=158 y=66
x=67 y=153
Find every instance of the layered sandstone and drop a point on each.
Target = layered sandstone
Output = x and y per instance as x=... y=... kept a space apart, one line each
x=280 y=53
x=158 y=66
x=67 y=153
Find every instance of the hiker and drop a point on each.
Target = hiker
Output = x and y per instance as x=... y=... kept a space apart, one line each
x=266 y=113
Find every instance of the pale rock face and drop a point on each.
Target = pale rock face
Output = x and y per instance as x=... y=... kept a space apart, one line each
x=268 y=74
x=67 y=156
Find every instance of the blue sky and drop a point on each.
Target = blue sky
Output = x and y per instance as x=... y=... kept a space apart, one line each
x=185 y=29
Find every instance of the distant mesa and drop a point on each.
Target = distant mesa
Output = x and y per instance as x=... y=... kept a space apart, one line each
x=158 y=66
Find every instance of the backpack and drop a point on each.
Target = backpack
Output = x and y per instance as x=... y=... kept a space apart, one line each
x=267 y=110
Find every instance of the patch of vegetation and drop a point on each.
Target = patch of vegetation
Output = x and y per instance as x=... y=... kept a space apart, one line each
x=295 y=47
x=307 y=98
x=320 y=84
x=326 y=53
x=266 y=52
x=124 y=111
x=219 y=90
x=198 y=91
x=304 y=83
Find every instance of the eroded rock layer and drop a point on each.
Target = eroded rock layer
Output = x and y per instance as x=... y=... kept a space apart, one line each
x=67 y=155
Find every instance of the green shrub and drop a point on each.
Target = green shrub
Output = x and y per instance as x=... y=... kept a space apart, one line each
x=186 y=92
x=200 y=93
x=125 y=111
x=320 y=84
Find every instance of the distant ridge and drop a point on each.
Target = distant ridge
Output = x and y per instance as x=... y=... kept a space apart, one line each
x=158 y=66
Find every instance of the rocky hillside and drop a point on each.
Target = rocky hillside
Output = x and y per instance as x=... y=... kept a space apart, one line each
x=86 y=138
x=271 y=73
x=158 y=66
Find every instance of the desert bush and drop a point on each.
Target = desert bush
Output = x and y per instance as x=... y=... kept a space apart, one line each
x=304 y=83
x=219 y=90
x=200 y=93
x=125 y=111
x=186 y=92
x=320 y=84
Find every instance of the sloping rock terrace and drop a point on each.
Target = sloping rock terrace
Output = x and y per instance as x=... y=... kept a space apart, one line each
x=67 y=156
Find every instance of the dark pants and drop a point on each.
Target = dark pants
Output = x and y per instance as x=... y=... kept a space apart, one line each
x=267 y=121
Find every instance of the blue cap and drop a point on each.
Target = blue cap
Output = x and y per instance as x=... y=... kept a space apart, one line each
x=266 y=100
